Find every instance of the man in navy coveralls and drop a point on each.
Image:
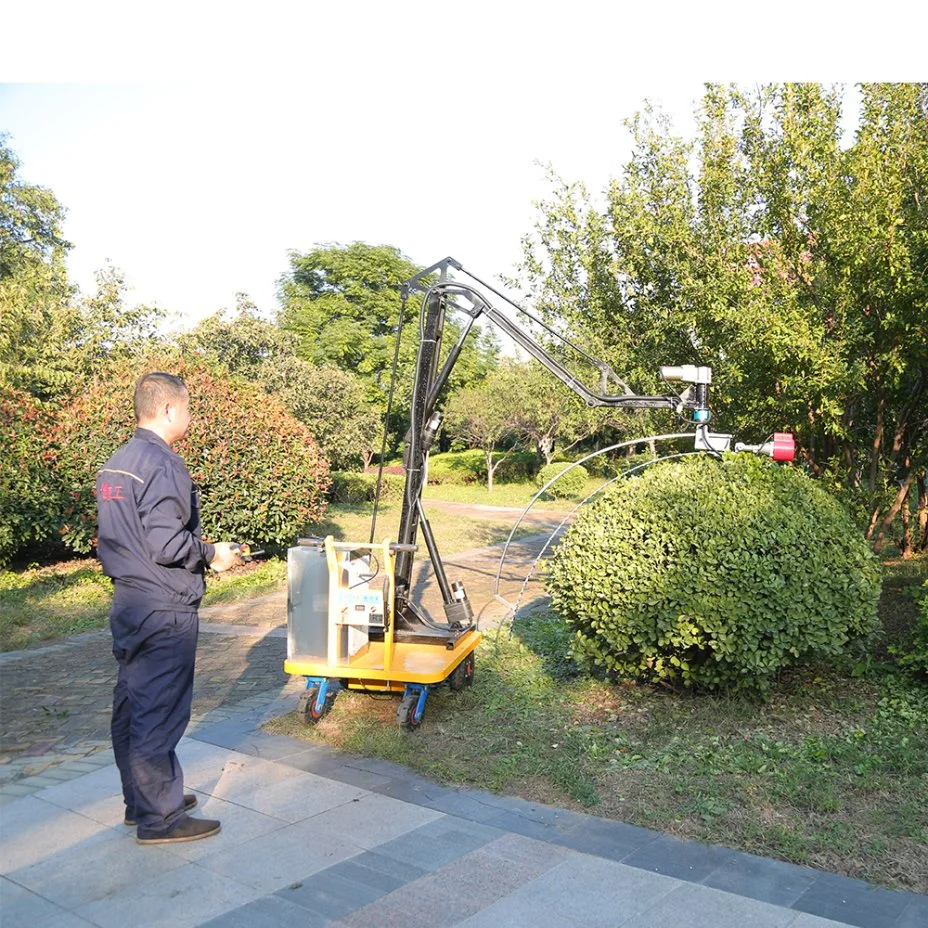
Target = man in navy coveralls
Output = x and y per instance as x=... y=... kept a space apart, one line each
x=149 y=543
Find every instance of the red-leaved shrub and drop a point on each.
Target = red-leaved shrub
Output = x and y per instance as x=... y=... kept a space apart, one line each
x=31 y=499
x=261 y=476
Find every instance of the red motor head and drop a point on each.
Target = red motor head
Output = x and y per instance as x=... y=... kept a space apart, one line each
x=784 y=446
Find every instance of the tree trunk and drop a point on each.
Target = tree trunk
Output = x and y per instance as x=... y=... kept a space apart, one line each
x=877 y=441
x=922 y=512
x=874 y=518
x=905 y=546
x=890 y=516
x=490 y=468
x=546 y=448
x=847 y=453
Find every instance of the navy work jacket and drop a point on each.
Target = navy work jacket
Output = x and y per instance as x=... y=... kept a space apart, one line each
x=148 y=537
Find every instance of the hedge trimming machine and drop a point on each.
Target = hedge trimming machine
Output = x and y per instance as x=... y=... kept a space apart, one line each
x=352 y=623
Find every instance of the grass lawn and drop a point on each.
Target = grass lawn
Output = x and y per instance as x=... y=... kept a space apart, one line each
x=39 y=604
x=504 y=494
x=453 y=532
x=831 y=772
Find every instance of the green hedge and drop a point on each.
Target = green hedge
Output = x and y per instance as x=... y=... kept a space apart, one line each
x=915 y=657
x=458 y=467
x=352 y=487
x=569 y=480
x=714 y=574
x=463 y=467
x=259 y=471
x=519 y=467
x=605 y=465
x=32 y=498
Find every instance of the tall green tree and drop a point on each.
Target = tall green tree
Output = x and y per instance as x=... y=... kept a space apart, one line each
x=328 y=400
x=52 y=337
x=342 y=302
x=106 y=327
x=548 y=415
x=35 y=318
x=876 y=248
x=485 y=416
x=241 y=341
x=793 y=267
x=331 y=403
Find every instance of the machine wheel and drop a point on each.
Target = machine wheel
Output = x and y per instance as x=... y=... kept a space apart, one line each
x=406 y=712
x=463 y=674
x=306 y=707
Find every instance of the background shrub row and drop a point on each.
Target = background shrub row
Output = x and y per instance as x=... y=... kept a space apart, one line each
x=352 y=487
x=32 y=496
x=261 y=476
x=568 y=479
x=463 y=467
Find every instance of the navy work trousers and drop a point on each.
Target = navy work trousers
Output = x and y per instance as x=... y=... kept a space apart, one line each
x=156 y=653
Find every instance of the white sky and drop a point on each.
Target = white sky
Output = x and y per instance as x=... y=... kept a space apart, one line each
x=194 y=147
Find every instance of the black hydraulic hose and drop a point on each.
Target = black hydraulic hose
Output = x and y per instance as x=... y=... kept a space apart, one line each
x=386 y=421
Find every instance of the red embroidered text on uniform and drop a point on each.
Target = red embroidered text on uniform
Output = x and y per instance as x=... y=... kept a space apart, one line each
x=109 y=492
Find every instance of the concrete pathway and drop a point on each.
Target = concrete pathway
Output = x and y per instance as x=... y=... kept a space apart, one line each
x=312 y=837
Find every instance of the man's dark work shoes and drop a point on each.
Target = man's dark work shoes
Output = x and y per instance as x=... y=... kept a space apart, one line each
x=184 y=829
x=190 y=800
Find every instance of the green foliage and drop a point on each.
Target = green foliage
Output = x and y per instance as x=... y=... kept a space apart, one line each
x=485 y=415
x=609 y=465
x=328 y=400
x=915 y=657
x=467 y=467
x=714 y=575
x=259 y=471
x=797 y=270
x=569 y=480
x=34 y=289
x=350 y=487
x=106 y=329
x=52 y=339
x=518 y=467
x=243 y=344
x=31 y=498
x=457 y=467
x=547 y=413
x=342 y=303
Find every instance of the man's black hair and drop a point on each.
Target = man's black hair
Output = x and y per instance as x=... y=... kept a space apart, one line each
x=153 y=391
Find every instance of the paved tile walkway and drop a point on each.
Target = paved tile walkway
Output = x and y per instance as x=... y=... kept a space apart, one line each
x=312 y=837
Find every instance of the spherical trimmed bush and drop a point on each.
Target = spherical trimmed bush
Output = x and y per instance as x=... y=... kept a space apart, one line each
x=568 y=483
x=714 y=574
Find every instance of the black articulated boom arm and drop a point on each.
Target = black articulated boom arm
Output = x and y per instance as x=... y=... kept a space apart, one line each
x=440 y=296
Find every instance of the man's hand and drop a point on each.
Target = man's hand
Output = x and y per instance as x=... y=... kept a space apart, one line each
x=226 y=556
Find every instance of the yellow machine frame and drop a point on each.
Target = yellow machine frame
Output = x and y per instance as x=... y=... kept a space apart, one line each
x=380 y=666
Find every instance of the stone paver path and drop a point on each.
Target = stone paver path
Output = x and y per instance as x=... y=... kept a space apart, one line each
x=314 y=837
x=55 y=701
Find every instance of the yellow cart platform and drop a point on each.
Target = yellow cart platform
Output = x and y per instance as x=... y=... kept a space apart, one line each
x=342 y=632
